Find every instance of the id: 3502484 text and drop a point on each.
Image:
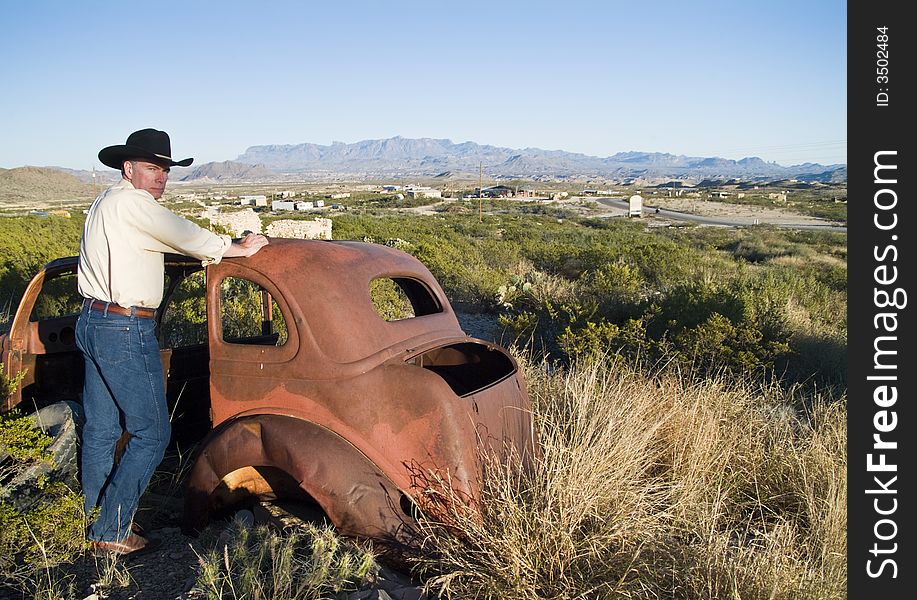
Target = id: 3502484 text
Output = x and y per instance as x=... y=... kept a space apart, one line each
x=882 y=66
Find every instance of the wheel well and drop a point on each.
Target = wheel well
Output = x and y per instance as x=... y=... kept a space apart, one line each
x=249 y=485
x=274 y=455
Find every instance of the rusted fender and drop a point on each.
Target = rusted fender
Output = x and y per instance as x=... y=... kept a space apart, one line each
x=355 y=494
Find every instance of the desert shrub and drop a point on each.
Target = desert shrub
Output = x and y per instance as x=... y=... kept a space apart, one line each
x=462 y=270
x=673 y=283
x=740 y=326
x=608 y=342
x=8 y=384
x=47 y=535
x=20 y=439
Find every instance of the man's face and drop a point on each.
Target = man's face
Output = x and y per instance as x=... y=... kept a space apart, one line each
x=147 y=176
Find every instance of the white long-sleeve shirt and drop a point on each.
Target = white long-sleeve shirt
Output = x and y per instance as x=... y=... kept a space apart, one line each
x=125 y=236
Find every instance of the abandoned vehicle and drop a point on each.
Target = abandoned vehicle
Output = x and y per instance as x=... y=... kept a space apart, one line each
x=335 y=373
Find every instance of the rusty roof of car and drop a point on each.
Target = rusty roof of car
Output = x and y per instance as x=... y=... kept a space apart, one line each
x=326 y=284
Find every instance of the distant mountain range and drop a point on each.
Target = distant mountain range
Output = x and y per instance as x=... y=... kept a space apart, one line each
x=399 y=157
x=426 y=158
x=228 y=172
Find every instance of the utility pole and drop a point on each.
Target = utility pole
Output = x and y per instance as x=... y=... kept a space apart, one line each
x=481 y=193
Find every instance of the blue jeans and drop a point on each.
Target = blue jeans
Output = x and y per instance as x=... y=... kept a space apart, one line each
x=123 y=391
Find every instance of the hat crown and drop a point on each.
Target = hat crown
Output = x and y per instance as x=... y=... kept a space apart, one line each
x=154 y=141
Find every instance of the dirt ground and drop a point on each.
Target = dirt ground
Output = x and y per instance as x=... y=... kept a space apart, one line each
x=740 y=213
x=707 y=208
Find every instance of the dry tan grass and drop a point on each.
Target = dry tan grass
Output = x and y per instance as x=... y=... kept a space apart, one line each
x=656 y=488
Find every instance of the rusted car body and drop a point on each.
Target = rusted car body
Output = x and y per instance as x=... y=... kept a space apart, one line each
x=327 y=397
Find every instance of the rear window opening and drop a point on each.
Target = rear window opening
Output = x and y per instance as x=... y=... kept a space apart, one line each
x=399 y=298
x=467 y=367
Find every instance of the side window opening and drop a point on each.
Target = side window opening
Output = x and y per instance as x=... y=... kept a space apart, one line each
x=398 y=298
x=184 y=322
x=58 y=298
x=249 y=314
x=52 y=363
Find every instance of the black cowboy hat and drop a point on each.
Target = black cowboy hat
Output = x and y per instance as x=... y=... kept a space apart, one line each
x=146 y=144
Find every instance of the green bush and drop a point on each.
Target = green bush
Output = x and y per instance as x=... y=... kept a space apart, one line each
x=21 y=440
x=45 y=536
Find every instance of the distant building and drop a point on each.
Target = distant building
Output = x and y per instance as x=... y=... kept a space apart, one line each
x=283 y=205
x=338 y=196
x=496 y=191
x=676 y=191
x=258 y=200
x=304 y=205
x=422 y=192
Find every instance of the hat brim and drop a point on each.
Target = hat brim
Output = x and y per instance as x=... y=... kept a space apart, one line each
x=114 y=156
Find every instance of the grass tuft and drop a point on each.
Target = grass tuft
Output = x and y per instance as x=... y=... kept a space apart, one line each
x=299 y=563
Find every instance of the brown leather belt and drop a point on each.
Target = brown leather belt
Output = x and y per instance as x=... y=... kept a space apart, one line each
x=139 y=311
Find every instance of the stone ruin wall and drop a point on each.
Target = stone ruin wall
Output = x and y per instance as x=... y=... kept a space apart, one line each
x=317 y=229
x=238 y=222
x=248 y=220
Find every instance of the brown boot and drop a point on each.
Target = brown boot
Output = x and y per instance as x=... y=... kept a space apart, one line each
x=132 y=545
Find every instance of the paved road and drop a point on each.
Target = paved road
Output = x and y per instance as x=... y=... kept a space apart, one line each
x=744 y=222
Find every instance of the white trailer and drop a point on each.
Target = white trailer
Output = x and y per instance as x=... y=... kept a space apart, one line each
x=635 y=206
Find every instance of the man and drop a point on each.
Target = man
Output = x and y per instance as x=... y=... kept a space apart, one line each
x=120 y=276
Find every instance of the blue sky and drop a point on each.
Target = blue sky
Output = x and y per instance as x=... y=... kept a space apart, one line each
x=764 y=78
